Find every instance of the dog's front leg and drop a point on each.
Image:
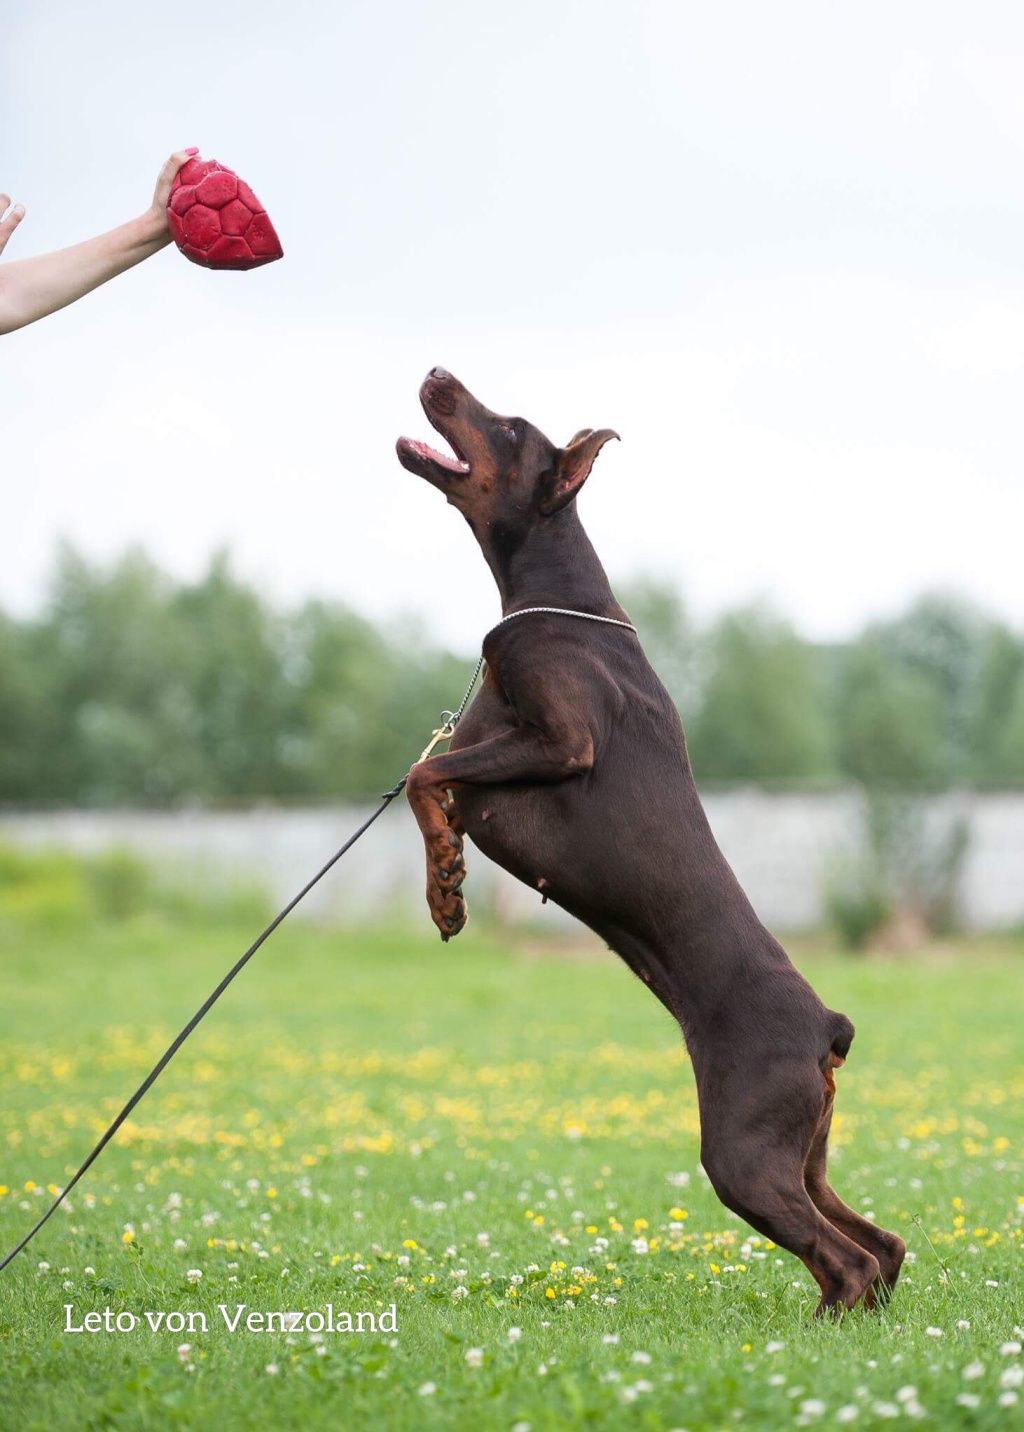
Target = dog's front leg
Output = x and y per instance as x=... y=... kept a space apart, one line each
x=522 y=753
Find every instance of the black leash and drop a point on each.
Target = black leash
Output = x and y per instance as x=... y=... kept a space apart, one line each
x=203 y=1010
x=449 y=721
x=444 y=732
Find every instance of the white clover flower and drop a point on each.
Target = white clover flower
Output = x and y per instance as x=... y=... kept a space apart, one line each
x=271 y=1369
x=520 y=1427
x=610 y=1339
x=906 y=1394
x=641 y=1357
x=1011 y=1377
x=812 y=1407
x=774 y=1346
x=963 y=1325
x=483 y=1239
x=968 y=1399
x=972 y=1371
x=427 y=1389
x=475 y=1356
x=44 y=1267
x=194 y=1275
x=1007 y=1399
x=514 y=1334
x=935 y=1332
x=610 y=1301
x=180 y=1245
x=777 y=1379
x=848 y=1413
x=1009 y=1349
x=183 y=1352
x=459 y=1293
x=516 y=1280
x=886 y=1409
x=639 y=1245
x=642 y=1385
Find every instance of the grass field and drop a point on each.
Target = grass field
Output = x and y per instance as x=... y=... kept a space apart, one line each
x=499 y=1138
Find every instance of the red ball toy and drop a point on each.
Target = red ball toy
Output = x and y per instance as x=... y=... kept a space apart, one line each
x=217 y=221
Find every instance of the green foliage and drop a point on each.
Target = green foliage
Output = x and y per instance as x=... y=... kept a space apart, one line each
x=762 y=716
x=130 y=689
x=857 y=903
x=59 y=891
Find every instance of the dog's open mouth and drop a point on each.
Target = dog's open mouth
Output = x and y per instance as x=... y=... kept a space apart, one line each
x=438 y=400
x=421 y=458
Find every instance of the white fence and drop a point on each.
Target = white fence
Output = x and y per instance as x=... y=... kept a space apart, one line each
x=782 y=847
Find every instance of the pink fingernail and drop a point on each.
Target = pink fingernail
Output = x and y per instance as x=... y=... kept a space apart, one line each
x=193 y=150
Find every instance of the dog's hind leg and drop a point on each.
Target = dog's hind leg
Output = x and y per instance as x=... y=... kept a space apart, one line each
x=754 y=1150
x=888 y=1248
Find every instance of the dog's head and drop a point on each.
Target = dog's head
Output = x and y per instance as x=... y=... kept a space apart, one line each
x=505 y=476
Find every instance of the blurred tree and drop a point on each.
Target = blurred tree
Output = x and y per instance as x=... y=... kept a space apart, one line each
x=656 y=609
x=762 y=716
x=996 y=739
x=238 y=698
x=890 y=721
x=129 y=688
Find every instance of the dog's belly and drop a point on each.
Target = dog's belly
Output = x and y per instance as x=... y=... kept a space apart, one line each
x=576 y=842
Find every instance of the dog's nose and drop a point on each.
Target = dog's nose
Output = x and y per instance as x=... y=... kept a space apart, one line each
x=440 y=373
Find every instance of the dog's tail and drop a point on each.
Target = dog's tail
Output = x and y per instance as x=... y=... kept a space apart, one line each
x=842 y=1033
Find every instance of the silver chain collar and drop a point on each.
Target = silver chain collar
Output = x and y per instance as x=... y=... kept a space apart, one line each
x=450 y=719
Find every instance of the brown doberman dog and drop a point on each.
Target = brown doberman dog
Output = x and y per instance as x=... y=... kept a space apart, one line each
x=570 y=770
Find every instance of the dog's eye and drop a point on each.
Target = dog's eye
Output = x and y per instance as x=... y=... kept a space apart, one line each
x=509 y=430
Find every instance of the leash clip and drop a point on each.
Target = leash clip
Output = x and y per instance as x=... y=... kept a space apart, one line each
x=441 y=733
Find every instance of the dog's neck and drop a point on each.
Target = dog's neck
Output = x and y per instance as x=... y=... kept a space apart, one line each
x=555 y=565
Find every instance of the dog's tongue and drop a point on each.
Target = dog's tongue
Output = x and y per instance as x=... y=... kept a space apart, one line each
x=217 y=221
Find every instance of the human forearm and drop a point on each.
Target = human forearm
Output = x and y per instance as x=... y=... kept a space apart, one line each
x=32 y=288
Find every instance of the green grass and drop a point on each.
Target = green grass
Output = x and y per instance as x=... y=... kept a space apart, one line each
x=371 y=1118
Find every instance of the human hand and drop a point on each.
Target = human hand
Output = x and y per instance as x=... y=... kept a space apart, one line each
x=10 y=218
x=158 y=209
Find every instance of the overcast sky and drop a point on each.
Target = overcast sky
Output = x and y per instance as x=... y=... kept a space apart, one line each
x=778 y=248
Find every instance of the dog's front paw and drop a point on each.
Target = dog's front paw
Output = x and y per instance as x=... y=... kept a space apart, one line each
x=446 y=870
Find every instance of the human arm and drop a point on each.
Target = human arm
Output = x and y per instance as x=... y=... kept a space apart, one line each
x=32 y=288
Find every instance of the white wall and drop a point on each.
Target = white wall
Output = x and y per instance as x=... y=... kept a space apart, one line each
x=780 y=845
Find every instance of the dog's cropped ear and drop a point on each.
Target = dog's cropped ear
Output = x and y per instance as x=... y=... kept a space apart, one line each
x=572 y=468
